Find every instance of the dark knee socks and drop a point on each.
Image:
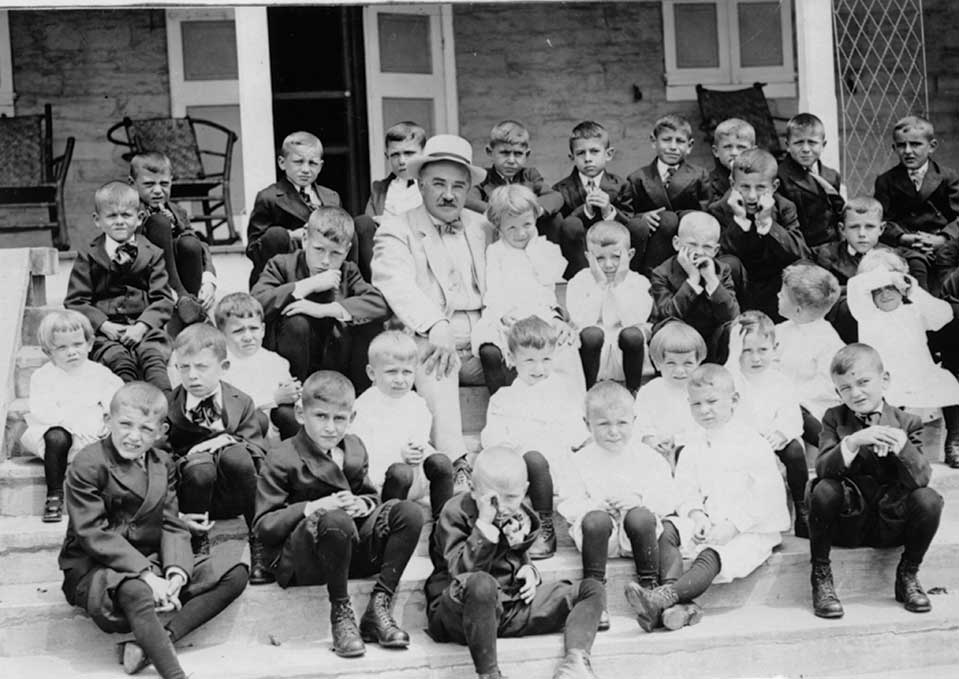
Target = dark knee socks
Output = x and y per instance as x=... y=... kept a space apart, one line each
x=640 y=527
x=590 y=349
x=583 y=619
x=209 y=604
x=700 y=575
x=439 y=472
x=57 y=442
x=495 y=372
x=597 y=526
x=633 y=345
x=135 y=598
x=793 y=457
x=540 y=490
x=405 y=522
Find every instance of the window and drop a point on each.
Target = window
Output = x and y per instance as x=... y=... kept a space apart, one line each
x=728 y=44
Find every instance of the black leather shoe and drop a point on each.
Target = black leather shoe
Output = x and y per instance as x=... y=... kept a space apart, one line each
x=603 y=621
x=378 y=624
x=544 y=546
x=259 y=573
x=908 y=590
x=682 y=615
x=825 y=603
x=649 y=604
x=53 y=509
x=132 y=657
x=347 y=642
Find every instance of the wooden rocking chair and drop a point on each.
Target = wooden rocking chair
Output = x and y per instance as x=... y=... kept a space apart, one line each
x=749 y=104
x=177 y=139
x=30 y=175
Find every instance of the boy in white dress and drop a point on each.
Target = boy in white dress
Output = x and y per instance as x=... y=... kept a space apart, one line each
x=769 y=403
x=69 y=396
x=538 y=415
x=522 y=269
x=732 y=507
x=610 y=306
x=807 y=341
x=393 y=422
x=663 y=419
x=615 y=491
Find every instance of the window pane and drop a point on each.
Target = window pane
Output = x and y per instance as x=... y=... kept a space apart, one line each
x=397 y=109
x=697 y=39
x=760 y=34
x=405 y=43
x=209 y=50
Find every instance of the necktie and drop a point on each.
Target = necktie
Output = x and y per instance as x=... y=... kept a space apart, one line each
x=205 y=413
x=452 y=227
x=916 y=178
x=125 y=254
x=823 y=184
x=304 y=194
x=670 y=171
x=869 y=419
x=410 y=183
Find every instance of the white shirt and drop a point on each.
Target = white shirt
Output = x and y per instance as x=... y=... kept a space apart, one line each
x=258 y=376
x=401 y=195
x=465 y=295
x=662 y=410
x=805 y=353
x=386 y=424
x=769 y=403
x=919 y=174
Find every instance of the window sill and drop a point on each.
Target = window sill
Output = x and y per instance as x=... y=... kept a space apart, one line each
x=773 y=90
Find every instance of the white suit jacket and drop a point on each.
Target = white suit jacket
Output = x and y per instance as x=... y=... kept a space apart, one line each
x=412 y=269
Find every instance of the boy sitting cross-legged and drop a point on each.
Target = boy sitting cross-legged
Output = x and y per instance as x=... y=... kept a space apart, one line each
x=483 y=585
x=318 y=511
x=872 y=487
x=393 y=422
x=216 y=439
x=731 y=506
x=540 y=415
x=126 y=555
x=120 y=284
x=615 y=491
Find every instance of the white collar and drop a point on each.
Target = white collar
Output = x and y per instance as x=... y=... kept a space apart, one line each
x=192 y=401
x=400 y=183
x=597 y=180
x=919 y=171
x=112 y=245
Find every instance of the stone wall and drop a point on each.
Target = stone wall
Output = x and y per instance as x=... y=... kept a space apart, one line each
x=554 y=65
x=94 y=67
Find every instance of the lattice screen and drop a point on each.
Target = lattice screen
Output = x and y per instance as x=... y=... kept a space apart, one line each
x=881 y=62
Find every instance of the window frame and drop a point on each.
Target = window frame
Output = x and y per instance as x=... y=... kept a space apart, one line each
x=681 y=82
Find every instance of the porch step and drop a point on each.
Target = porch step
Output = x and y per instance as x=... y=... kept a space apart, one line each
x=29 y=358
x=873 y=637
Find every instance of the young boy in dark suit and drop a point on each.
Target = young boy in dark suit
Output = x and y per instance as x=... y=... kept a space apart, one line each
x=317 y=509
x=730 y=138
x=920 y=200
x=282 y=208
x=216 y=439
x=808 y=183
x=591 y=194
x=508 y=148
x=120 y=284
x=665 y=187
x=319 y=312
x=483 y=584
x=126 y=555
x=759 y=229
x=872 y=487
x=189 y=264
x=392 y=195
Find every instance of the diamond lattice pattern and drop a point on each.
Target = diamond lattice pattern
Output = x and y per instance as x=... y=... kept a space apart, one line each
x=880 y=57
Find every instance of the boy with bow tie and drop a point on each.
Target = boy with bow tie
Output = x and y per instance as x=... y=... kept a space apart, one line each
x=120 y=284
x=216 y=440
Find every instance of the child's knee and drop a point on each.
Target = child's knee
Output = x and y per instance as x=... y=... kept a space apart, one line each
x=490 y=353
x=276 y=238
x=237 y=461
x=826 y=497
x=189 y=247
x=573 y=229
x=591 y=338
x=926 y=502
x=333 y=526
x=480 y=589
x=631 y=339
x=640 y=521
x=668 y=225
x=400 y=473
x=406 y=515
x=437 y=466
x=597 y=522
x=57 y=441
x=536 y=463
x=198 y=475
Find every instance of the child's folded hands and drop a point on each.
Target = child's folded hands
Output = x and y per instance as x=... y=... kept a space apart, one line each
x=210 y=445
x=413 y=453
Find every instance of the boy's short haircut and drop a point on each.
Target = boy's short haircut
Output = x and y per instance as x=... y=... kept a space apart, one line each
x=331 y=222
x=811 y=286
x=606 y=394
x=735 y=127
x=756 y=323
x=116 y=193
x=511 y=199
x=606 y=233
x=237 y=305
x=882 y=259
x=756 y=161
x=392 y=344
x=805 y=122
x=589 y=130
x=696 y=219
x=862 y=205
x=330 y=387
x=674 y=122
x=141 y=396
x=197 y=337
x=509 y=132
x=676 y=337
x=531 y=333
x=150 y=161
x=852 y=355
x=712 y=375
x=62 y=320
x=296 y=140
x=406 y=131
x=914 y=123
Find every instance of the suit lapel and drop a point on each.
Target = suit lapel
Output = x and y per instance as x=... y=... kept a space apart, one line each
x=676 y=274
x=231 y=410
x=684 y=176
x=98 y=252
x=800 y=177
x=156 y=483
x=126 y=474
x=319 y=463
x=178 y=413
x=476 y=240
x=653 y=185
x=930 y=182
x=436 y=255
x=576 y=188
x=901 y=182
x=289 y=200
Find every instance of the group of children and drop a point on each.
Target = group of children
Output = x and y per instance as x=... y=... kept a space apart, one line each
x=162 y=410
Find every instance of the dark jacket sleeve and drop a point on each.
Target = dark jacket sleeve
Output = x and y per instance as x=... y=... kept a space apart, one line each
x=275 y=516
x=364 y=302
x=262 y=216
x=464 y=548
x=274 y=288
x=913 y=467
x=80 y=290
x=175 y=547
x=248 y=429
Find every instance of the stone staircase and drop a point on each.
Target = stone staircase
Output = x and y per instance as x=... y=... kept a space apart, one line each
x=761 y=626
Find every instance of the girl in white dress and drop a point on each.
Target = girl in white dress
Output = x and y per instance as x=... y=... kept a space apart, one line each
x=68 y=399
x=522 y=270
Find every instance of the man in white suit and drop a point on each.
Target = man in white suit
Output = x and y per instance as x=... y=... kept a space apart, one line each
x=430 y=264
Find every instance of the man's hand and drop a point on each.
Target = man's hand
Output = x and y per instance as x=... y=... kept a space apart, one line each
x=527 y=592
x=598 y=274
x=111 y=330
x=564 y=333
x=701 y=525
x=207 y=295
x=912 y=240
x=440 y=357
x=133 y=334
x=351 y=504
x=487 y=506
x=931 y=241
x=208 y=446
x=598 y=199
x=305 y=307
x=685 y=259
x=413 y=453
x=721 y=533
x=651 y=219
x=776 y=439
x=298 y=235
x=287 y=391
x=737 y=204
x=175 y=583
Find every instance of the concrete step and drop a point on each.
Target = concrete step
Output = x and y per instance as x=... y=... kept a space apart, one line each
x=755 y=641
x=32 y=315
x=15 y=426
x=29 y=358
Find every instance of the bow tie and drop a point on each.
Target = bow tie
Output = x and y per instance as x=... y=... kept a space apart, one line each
x=125 y=254
x=452 y=227
x=205 y=413
x=869 y=419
